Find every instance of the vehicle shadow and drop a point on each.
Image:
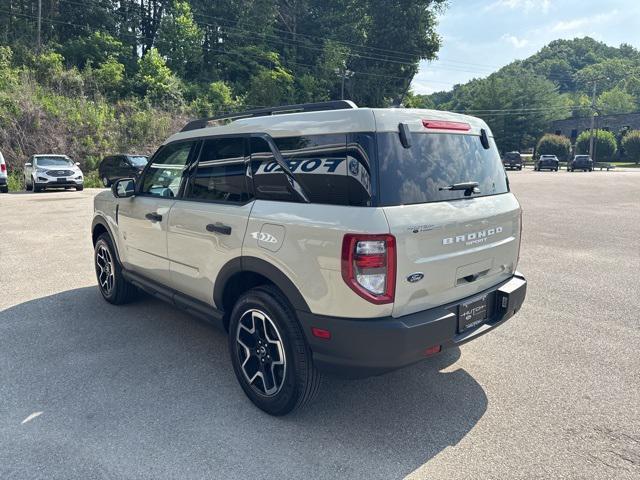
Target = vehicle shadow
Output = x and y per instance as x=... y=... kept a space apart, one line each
x=146 y=391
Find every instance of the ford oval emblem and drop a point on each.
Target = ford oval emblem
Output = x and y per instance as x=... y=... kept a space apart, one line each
x=415 y=277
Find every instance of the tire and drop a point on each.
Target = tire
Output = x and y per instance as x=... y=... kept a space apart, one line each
x=27 y=187
x=263 y=327
x=36 y=188
x=117 y=290
x=106 y=182
x=4 y=189
x=79 y=188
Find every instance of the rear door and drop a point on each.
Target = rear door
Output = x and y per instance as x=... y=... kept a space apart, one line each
x=206 y=228
x=143 y=219
x=451 y=244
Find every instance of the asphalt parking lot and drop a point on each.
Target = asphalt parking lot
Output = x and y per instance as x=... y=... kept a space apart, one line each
x=145 y=391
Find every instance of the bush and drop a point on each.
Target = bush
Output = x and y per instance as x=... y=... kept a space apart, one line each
x=92 y=180
x=604 y=144
x=557 y=145
x=631 y=145
x=15 y=181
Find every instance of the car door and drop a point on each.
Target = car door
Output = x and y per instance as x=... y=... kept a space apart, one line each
x=207 y=226
x=143 y=218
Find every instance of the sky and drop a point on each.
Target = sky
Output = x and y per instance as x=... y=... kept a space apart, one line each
x=480 y=36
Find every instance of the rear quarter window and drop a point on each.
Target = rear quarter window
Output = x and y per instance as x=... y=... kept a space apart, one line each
x=435 y=160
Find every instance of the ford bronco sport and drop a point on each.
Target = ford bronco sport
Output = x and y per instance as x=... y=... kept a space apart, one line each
x=321 y=237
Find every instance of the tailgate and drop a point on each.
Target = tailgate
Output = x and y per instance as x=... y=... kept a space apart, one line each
x=460 y=247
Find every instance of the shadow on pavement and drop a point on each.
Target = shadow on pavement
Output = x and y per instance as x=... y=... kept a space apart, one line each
x=146 y=391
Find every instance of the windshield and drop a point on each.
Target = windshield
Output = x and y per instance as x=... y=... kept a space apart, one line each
x=138 y=161
x=435 y=161
x=53 y=162
x=512 y=156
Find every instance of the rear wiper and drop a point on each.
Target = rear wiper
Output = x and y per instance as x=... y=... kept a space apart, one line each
x=468 y=187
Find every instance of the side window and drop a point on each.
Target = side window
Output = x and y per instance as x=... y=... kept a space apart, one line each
x=121 y=162
x=164 y=175
x=221 y=173
x=330 y=171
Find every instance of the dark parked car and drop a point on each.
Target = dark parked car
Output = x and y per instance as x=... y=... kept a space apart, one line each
x=115 y=167
x=512 y=160
x=547 y=162
x=581 y=162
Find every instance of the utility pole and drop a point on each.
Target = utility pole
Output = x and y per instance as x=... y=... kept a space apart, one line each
x=344 y=73
x=38 y=41
x=593 y=119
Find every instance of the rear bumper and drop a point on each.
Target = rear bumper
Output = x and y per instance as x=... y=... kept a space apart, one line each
x=3 y=181
x=365 y=347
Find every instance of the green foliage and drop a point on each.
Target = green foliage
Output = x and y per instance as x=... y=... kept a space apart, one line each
x=217 y=98
x=270 y=87
x=180 y=40
x=108 y=78
x=156 y=82
x=92 y=180
x=604 y=142
x=557 y=145
x=631 y=145
x=15 y=181
x=96 y=49
x=616 y=101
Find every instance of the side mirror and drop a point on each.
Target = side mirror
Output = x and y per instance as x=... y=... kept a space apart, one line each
x=28 y=164
x=124 y=188
x=78 y=164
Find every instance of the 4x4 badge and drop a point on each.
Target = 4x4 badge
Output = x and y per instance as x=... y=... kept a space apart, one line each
x=415 y=277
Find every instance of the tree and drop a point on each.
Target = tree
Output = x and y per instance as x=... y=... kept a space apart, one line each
x=631 y=145
x=270 y=88
x=616 y=101
x=605 y=144
x=557 y=145
x=180 y=40
x=156 y=82
x=96 y=49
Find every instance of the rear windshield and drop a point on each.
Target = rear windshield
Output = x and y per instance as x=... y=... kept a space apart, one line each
x=512 y=156
x=138 y=160
x=436 y=160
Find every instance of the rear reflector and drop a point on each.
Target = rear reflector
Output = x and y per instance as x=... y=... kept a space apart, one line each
x=432 y=350
x=446 y=125
x=321 y=333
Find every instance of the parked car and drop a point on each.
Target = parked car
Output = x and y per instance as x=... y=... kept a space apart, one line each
x=512 y=160
x=581 y=162
x=547 y=162
x=52 y=171
x=114 y=167
x=4 y=182
x=318 y=236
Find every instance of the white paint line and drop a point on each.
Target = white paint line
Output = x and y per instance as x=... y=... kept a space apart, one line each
x=31 y=417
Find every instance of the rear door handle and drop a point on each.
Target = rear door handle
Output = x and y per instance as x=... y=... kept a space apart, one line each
x=154 y=217
x=219 y=228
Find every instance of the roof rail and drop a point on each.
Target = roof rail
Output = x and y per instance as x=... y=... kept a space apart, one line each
x=263 y=112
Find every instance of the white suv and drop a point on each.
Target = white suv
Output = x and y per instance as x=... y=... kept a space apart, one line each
x=321 y=237
x=52 y=171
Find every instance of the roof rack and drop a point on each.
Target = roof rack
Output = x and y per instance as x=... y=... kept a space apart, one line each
x=263 y=112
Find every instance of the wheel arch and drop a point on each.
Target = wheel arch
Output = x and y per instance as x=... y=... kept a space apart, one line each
x=243 y=273
x=100 y=226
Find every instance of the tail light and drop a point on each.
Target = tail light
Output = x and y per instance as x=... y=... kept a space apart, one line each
x=369 y=266
x=3 y=168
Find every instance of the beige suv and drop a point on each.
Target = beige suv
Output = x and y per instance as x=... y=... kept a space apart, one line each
x=321 y=237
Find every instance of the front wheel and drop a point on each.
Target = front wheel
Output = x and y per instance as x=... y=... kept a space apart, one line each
x=270 y=356
x=79 y=188
x=113 y=286
x=106 y=182
x=36 y=188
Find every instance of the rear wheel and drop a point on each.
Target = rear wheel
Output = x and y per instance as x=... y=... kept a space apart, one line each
x=27 y=187
x=270 y=356
x=113 y=286
x=4 y=189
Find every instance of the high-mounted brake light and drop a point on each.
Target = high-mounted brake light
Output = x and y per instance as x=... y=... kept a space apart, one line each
x=446 y=125
x=369 y=266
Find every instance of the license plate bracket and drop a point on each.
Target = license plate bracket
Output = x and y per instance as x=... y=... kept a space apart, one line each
x=61 y=180
x=473 y=313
